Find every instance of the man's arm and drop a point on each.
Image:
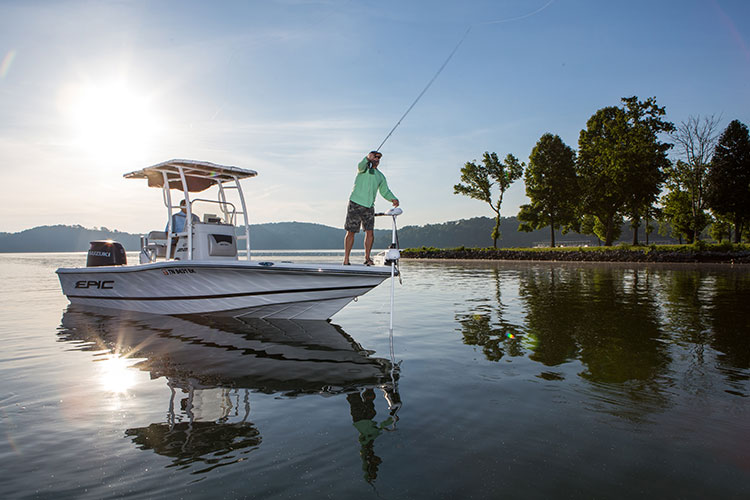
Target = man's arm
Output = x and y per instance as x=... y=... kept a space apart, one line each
x=386 y=193
x=363 y=165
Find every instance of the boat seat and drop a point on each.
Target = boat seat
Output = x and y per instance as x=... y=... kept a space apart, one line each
x=157 y=242
x=157 y=235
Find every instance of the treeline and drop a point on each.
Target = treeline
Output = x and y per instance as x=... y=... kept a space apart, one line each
x=473 y=232
x=60 y=238
x=622 y=176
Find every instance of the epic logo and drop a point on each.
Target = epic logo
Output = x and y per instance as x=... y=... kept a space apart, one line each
x=101 y=285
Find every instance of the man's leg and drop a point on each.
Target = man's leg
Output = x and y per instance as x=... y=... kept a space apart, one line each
x=369 y=239
x=348 y=244
x=351 y=226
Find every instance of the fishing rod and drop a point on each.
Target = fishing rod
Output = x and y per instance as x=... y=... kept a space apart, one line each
x=426 y=87
x=447 y=60
x=393 y=254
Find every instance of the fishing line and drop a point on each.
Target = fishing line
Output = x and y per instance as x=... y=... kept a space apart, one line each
x=466 y=33
x=518 y=18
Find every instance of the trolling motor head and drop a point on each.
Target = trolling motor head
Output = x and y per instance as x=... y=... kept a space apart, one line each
x=393 y=212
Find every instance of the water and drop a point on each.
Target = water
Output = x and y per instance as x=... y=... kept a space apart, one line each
x=515 y=380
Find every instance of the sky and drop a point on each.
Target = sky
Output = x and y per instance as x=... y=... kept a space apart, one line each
x=301 y=90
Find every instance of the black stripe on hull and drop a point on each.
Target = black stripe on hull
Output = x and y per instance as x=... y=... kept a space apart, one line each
x=226 y=295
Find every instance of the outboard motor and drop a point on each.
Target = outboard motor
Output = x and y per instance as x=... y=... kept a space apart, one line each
x=106 y=253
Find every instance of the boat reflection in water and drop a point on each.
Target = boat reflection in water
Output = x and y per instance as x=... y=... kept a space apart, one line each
x=216 y=362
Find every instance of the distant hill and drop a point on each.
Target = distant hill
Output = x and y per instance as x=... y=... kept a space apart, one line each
x=62 y=239
x=477 y=232
x=276 y=236
x=307 y=236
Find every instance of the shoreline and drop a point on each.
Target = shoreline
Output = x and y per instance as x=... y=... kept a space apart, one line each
x=679 y=254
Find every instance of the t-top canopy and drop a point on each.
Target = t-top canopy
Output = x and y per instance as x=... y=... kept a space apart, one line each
x=200 y=175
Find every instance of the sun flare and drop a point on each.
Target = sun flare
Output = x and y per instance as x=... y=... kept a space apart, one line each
x=115 y=374
x=111 y=118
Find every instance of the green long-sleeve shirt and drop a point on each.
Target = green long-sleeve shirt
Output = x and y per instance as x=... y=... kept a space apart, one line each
x=367 y=184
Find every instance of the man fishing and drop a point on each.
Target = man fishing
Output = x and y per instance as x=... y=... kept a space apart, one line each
x=361 y=210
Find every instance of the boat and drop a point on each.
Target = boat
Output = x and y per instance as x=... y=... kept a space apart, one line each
x=206 y=267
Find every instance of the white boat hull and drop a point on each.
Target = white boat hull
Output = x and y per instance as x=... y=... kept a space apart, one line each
x=252 y=289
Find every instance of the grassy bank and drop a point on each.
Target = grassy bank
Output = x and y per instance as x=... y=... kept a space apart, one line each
x=699 y=252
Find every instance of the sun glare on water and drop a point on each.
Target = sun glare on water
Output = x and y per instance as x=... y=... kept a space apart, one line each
x=111 y=118
x=115 y=374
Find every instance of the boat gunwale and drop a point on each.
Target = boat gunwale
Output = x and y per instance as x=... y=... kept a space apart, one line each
x=236 y=265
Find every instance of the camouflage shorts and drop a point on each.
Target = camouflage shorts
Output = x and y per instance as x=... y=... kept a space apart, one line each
x=357 y=215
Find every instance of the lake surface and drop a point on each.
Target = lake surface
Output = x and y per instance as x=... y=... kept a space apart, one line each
x=513 y=380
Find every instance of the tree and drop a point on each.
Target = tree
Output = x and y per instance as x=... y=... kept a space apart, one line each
x=653 y=214
x=696 y=141
x=621 y=163
x=600 y=176
x=478 y=181
x=649 y=157
x=728 y=192
x=721 y=229
x=590 y=224
x=677 y=214
x=552 y=187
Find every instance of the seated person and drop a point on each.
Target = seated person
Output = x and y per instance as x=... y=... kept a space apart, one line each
x=178 y=219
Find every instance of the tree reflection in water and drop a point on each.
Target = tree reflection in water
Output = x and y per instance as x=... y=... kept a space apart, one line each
x=615 y=326
x=487 y=327
x=730 y=323
x=706 y=313
x=216 y=362
x=627 y=327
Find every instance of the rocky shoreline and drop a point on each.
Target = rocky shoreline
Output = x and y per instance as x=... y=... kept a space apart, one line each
x=646 y=254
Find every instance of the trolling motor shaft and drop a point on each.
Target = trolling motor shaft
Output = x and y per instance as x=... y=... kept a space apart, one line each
x=392 y=255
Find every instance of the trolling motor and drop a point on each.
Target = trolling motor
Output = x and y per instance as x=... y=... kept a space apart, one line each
x=392 y=255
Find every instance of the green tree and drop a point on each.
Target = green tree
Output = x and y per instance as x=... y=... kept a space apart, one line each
x=721 y=229
x=648 y=156
x=478 y=180
x=621 y=163
x=729 y=177
x=696 y=142
x=602 y=170
x=653 y=214
x=677 y=215
x=590 y=224
x=552 y=187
